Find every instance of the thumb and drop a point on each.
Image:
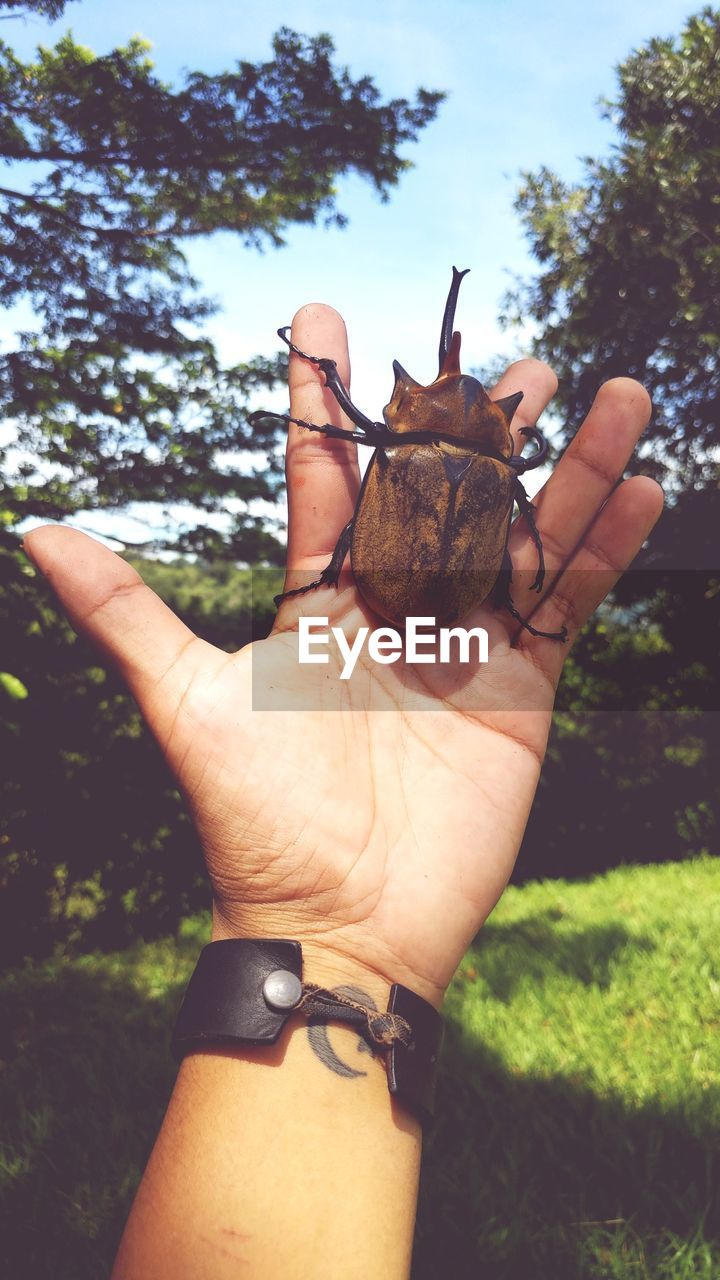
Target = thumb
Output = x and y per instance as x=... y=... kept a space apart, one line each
x=107 y=601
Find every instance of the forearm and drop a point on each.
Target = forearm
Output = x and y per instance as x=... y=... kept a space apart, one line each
x=280 y=1162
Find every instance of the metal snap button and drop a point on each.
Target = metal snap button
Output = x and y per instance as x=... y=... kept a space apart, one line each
x=282 y=989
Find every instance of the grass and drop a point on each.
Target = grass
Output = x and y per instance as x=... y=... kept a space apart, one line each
x=579 y=1099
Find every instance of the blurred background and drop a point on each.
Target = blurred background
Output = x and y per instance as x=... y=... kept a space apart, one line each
x=176 y=183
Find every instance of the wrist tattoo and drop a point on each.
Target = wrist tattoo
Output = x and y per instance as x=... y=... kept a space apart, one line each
x=320 y=1041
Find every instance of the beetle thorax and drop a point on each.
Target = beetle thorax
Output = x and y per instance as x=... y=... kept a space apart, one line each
x=455 y=404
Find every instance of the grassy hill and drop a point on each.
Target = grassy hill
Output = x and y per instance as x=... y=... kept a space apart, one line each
x=579 y=1108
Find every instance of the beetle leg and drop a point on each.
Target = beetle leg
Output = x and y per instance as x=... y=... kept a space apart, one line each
x=536 y=459
x=502 y=599
x=326 y=429
x=331 y=573
x=527 y=509
x=333 y=382
x=377 y=436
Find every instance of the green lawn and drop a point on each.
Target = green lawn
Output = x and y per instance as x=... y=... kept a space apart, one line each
x=579 y=1107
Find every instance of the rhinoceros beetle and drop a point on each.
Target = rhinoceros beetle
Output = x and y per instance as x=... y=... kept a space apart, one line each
x=430 y=530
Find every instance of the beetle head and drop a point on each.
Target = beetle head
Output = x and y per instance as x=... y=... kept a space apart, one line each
x=455 y=403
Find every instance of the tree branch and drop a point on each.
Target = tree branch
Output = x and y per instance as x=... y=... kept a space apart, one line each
x=52 y=211
x=109 y=233
x=105 y=159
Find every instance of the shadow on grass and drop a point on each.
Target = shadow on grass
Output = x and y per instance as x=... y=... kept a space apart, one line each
x=527 y=951
x=85 y=1079
x=530 y=1179
x=514 y=1170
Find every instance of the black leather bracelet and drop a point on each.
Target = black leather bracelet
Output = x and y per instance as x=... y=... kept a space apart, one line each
x=244 y=990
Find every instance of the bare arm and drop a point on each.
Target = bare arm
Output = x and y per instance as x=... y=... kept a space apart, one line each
x=284 y=1162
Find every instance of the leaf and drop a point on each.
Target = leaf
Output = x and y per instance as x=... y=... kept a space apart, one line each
x=13 y=687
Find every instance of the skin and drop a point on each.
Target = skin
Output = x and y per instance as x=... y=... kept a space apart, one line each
x=380 y=841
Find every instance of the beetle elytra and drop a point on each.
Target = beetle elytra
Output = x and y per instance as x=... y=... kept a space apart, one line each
x=430 y=529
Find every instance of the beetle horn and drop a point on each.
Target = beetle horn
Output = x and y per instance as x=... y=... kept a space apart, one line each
x=509 y=404
x=446 y=331
x=402 y=377
x=451 y=363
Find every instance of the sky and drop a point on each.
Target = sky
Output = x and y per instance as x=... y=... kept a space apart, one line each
x=523 y=82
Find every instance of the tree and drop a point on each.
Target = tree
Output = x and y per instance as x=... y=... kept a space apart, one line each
x=117 y=396
x=629 y=278
x=45 y=8
x=628 y=283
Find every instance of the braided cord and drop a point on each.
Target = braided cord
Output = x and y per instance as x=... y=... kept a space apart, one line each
x=384 y=1029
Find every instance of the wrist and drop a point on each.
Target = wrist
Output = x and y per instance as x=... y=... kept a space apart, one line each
x=322 y=964
x=244 y=991
x=332 y=958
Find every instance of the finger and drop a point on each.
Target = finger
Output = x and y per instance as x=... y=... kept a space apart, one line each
x=538 y=384
x=107 y=601
x=323 y=478
x=607 y=549
x=582 y=481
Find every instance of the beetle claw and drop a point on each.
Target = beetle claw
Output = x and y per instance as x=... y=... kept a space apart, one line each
x=323 y=362
x=325 y=580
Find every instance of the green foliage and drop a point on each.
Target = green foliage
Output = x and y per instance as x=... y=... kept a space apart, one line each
x=46 y=8
x=629 y=258
x=223 y=604
x=631 y=774
x=96 y=847
x=623 y=786
x=116 y=396
x=576 y=1134
x=628 y=283
x=11 y=686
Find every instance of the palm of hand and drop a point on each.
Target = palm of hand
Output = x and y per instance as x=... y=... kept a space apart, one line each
x=387 y=823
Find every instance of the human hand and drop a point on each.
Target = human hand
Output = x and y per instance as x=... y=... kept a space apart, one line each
x=381 y=829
